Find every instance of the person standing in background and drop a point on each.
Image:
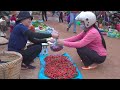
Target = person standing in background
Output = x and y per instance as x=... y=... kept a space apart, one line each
x=13 y=20
x=44 y=15
x=73 y=15
x=61 y=16
x=30 y=12
x=53 y=13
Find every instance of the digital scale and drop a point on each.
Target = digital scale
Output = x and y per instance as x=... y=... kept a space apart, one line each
x=44 y=49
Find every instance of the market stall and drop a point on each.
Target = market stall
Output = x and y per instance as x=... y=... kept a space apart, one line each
x=41 y=27
x=113 y=33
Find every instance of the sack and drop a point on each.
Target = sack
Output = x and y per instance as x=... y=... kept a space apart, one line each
x=3 y=40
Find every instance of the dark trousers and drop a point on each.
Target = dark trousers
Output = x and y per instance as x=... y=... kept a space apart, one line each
x=53 y=13
x=60 y=19
x=30 y=53
x=89 y=56
x=44 y=15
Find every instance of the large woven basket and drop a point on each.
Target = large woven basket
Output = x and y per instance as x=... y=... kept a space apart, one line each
x=11 y=70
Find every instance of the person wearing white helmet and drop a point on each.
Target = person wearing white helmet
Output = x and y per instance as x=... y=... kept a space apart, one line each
x=90 y=43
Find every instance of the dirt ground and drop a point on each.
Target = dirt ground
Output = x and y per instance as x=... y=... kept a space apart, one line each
x=108 y=70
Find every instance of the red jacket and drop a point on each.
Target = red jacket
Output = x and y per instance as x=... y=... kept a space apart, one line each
x=11 y=19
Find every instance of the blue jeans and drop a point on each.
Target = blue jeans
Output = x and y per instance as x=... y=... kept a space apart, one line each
x=72 y=21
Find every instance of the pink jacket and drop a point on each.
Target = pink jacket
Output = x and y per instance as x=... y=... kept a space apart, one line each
x=90 y=39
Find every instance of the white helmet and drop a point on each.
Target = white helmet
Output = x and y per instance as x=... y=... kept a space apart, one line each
x=89 y=18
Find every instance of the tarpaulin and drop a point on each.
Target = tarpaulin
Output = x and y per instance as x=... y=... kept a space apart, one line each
x=41 y=74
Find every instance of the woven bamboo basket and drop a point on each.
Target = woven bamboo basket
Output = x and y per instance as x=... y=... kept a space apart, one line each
x=11 y=69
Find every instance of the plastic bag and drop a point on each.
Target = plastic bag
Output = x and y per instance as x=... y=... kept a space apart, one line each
x=56 y=47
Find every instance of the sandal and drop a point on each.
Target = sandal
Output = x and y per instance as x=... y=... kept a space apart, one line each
x=88 y=67
x=67 y=29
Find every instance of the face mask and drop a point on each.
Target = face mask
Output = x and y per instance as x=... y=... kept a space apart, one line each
x=82 y=26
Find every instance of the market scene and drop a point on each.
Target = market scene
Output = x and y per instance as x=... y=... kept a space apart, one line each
x=59 y=44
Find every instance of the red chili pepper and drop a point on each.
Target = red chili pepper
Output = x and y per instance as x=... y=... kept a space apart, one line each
x=59 y=67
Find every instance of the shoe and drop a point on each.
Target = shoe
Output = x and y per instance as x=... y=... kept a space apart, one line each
x=67 y=29
x=31 y=67
x=74 y=32
x=28 y=66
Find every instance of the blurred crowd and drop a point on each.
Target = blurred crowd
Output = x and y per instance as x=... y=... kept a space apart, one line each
x=105 y=19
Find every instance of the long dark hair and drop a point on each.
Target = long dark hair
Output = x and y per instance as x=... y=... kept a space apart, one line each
x=103 y=40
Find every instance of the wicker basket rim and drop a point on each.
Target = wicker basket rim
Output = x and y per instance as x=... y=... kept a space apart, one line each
x=12 y=52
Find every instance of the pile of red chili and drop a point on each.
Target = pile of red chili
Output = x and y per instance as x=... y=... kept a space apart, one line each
x=59 y=67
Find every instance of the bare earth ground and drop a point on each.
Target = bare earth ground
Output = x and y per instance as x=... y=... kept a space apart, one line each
x=108 y=70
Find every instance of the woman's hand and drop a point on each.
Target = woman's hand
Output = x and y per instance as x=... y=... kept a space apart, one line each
x=60 y=41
